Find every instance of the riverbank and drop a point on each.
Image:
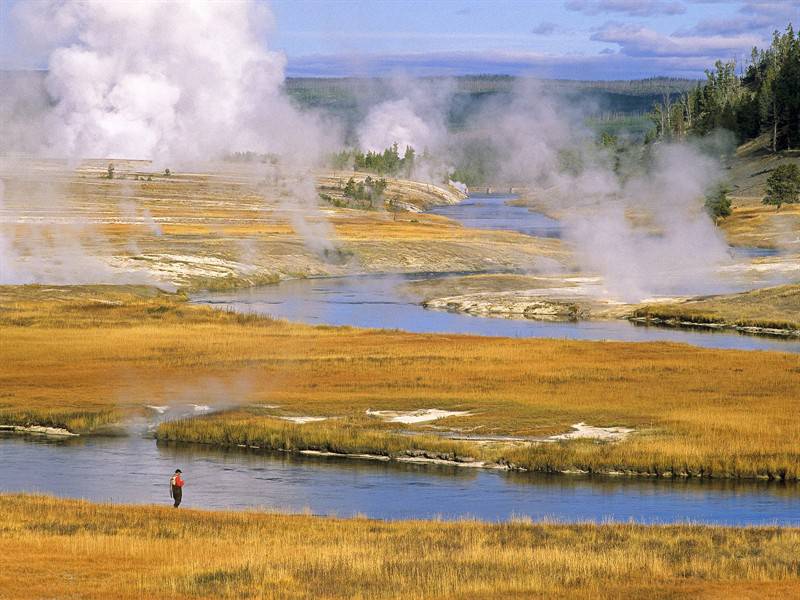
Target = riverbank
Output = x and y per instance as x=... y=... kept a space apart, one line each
x=85 y=357
x=771 y=311
x=199 y=554
x=768 y=311
x=37 y=430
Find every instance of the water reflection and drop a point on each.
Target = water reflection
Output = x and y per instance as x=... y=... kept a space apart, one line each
x=136 y=470
x=494 y=212
x=378 y=301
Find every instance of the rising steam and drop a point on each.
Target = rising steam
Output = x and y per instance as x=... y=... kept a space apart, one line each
x=180 y=83
x=640 y=225
x=188 y=82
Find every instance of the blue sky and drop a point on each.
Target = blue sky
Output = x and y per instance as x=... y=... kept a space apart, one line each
x=585 y=39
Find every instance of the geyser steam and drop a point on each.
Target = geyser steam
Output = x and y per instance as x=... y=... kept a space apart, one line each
x=184 y=81
x=639 y=224
x=178 y=83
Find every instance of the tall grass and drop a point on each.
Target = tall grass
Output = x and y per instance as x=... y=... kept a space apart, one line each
x=352 y=437
x=75 y=421
x=654 y=454
x=71 y=548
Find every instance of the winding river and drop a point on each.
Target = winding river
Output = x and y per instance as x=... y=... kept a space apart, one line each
x=136 y=469
x=381 y=301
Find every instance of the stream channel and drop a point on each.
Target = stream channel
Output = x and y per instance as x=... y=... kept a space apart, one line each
x=136 y=469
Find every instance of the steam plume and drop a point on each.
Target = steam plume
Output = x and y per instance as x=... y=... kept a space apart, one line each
x=178 y=83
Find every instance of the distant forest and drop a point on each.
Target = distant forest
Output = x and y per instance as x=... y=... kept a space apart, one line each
x=764 y=100
x=613 y=105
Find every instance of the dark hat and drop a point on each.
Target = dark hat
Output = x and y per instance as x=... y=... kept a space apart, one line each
x=178 y=471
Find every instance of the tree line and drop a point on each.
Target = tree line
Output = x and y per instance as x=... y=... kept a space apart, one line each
x=388 y=162
x=765 y=99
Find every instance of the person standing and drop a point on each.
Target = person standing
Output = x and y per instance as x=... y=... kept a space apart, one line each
x=176 y=487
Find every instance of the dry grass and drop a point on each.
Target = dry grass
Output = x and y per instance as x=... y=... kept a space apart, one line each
x=98 y=349
x=753 y=224
x=777 y=308
x=75 y=549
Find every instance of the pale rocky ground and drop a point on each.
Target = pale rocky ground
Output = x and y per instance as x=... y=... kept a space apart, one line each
x=570 y=297
x=231 y=228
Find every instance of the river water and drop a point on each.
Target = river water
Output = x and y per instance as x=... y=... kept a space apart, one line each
x=381 y=301
x=137 y=470
x=494 y=212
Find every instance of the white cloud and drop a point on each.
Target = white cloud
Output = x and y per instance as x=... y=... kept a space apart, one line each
x=635 y=40
x=763 y=17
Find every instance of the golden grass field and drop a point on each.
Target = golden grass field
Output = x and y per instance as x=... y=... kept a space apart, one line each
x=753 y=224
x=113 y=551
x=775 y=307
x=81 y=356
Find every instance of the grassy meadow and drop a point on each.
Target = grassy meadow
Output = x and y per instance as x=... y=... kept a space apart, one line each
x=155 y=552
x=82 y=357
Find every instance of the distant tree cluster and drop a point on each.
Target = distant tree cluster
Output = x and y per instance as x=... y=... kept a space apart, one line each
x=251 y=157
x=766 y=99
x=370 y=190
x=388 y=162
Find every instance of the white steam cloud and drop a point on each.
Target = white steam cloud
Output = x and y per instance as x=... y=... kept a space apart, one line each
x=641 y=226
x=189 y=82
x=179 y=83
x=397 y=122
x=413 y=115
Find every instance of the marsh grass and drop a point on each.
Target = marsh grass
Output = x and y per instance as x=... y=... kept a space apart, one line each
x=147 y=552
x=351 y=436
x=112 y=351
x=772 y=308
x=75 y=421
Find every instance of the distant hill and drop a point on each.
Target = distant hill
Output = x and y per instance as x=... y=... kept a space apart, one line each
x=350 y=98
x=611 y=105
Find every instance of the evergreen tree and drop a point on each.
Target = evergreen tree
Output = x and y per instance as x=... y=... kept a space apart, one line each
x=717 y=202
x=766 y=100
x=783 y=186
